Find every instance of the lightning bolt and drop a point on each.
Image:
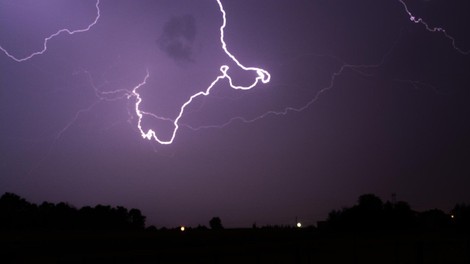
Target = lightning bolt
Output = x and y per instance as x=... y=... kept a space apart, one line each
x=262 y=75
x=46 y=40
x=418 y=20
x=343 y=67
x=44 y=49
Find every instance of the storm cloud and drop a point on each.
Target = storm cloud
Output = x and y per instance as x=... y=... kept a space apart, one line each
x=177 y=38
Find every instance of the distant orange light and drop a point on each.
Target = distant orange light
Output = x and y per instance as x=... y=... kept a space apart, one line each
x=452 y=216
x=182 y=228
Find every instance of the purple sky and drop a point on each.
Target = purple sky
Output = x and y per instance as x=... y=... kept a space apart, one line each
x=361 y=100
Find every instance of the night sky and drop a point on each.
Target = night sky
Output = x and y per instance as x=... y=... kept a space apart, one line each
x=361 y=100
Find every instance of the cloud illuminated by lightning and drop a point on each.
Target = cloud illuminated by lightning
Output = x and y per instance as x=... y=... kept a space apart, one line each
x=344 y=66
x=262 y=75
x=46 y=40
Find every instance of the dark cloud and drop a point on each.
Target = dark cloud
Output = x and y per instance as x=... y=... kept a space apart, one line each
x=178 y=37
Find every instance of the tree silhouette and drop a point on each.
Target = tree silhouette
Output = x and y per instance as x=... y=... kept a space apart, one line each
x=399 y=215
x=216 y=224
x=372 y=214
x=461 y=213
x=434 y=219
x=370 y=203
x=369 y=212
x=137 y=220
x=18 y=214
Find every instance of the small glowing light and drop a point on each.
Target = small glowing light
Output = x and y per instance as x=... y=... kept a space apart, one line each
x=182 y=228
x=452 y=216
x=299 y=225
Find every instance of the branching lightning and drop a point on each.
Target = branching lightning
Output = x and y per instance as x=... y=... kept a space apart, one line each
x=46 y=40
x=429 y=28
x=343 y=66
x=262 y=75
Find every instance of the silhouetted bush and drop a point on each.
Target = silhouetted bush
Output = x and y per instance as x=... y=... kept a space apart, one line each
x=201 y=227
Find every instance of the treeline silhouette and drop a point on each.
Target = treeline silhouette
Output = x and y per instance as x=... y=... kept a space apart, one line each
x=18 y=214
x=369 y=214
x=372 y=214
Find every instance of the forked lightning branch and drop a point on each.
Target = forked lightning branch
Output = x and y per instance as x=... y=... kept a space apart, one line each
x=261 y=76
x=152 y=134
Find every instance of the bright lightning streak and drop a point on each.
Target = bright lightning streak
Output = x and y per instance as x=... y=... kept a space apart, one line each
x=298 y=109
x=262 y=75
x=344 y=66
x=339 y=72
x=46 y=40
x=419 y=20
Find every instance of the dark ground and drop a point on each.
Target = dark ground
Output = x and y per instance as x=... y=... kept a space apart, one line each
x=235 y=246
